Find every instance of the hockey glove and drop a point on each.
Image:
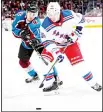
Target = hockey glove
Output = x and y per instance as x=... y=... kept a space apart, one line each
x=60 y=58
x=35 y=44
x=25 y=35
x=75 y=35
x=78 y=31
x=69 y=40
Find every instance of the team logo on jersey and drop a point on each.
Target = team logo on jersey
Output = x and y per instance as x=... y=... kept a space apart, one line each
x=57 y=33
x=34 y=21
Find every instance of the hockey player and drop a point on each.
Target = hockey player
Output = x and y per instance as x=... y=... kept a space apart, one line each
x=26 y=27
x=58 y=27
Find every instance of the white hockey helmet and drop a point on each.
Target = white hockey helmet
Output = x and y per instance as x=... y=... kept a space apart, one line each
x=53 y=11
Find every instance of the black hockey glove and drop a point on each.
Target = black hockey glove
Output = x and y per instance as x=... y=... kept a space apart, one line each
x=78 y=31
x=69 y=40
x=35 y=44
x=25 y=35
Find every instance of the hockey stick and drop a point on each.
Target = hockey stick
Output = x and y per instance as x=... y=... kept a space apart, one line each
x=30 y=42
x=42 y=83
x=38 y=53
x=49 y=42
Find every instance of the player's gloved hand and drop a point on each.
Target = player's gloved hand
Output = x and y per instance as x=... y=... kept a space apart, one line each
x=25 y=35
x=38 y=47
x=60 y=58
x=35 y=44
x=78 y=31
x=70 y=40
x=75 y=35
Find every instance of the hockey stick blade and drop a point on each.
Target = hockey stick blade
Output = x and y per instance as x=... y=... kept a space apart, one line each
x=41 y=85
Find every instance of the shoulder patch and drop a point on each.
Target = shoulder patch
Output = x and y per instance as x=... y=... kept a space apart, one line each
x=20 y=15
x=47 y=25
x=46 y=22
x=66 y=13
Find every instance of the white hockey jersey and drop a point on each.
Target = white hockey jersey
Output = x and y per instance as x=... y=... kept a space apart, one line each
x=58 y=31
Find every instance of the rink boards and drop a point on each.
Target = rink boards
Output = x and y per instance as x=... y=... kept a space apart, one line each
x=91 y=22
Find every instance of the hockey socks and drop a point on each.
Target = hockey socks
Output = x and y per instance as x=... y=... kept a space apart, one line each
x=32 y=73
x=83 y=69
x=30 y=70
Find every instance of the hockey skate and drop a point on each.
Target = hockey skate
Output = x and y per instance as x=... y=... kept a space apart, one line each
x=51 y=88
x=6 y=29
x=34 y=78
x=59 y=82
x=97 y=87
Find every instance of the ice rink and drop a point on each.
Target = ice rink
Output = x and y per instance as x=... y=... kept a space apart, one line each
x=74 y=95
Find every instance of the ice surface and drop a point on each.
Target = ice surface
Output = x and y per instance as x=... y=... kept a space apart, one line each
x=75 y=95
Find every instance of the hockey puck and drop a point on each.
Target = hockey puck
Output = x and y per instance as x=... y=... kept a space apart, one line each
x=38 y=108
